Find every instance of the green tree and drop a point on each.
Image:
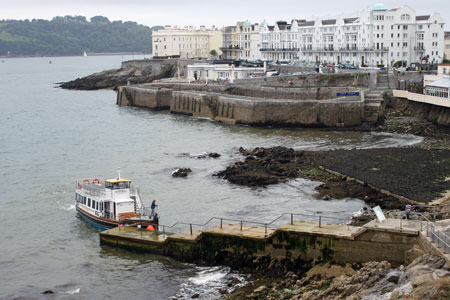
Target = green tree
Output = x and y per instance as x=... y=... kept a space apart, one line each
x=213 y=52
x=445 y=60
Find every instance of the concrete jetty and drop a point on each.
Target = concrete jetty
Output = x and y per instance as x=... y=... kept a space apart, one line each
x=394 y=240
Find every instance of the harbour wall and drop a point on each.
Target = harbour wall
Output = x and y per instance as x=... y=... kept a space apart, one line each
x=360 y=79
x=219 y=247
x=433 y=109
x=251 y=105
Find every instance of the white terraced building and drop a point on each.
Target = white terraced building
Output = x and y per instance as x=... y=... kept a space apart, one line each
x=376 y=37
x=187 y=42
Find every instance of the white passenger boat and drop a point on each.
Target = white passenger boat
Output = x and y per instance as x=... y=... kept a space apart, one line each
x=110 y=204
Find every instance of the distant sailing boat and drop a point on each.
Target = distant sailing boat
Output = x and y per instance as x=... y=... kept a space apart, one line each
x=84 y=54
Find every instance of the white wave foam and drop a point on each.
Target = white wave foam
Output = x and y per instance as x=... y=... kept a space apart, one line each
x=71 y=207
x=208 y=276
x=73 y=292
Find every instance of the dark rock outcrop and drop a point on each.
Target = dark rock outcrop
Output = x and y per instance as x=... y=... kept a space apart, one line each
x=118 y=77
x=181 y=172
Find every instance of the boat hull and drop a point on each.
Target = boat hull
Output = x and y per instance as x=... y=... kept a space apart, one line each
x=101 y=223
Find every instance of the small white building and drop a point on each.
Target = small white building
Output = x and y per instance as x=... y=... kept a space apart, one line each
x=439 y=88
x=220 y=72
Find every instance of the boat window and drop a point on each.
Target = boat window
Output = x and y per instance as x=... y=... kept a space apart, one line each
x=89 y=202
x=117 y=185
x=84 y=200
x=93 y=203
x=96 y=205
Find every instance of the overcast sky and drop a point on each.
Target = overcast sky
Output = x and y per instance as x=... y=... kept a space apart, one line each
x=206 y=12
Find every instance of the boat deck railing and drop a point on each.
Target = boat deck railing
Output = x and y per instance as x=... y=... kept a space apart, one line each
x=94 y=190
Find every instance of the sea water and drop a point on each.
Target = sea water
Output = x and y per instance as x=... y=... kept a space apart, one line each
x=50 y=137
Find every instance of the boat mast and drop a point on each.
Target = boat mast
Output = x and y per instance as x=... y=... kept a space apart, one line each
x=118 y=171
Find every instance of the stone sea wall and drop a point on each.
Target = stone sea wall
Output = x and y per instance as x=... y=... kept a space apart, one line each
x=433 y=113
x=361 y=79
x=239 y=109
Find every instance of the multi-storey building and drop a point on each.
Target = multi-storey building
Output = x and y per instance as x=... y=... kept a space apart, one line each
x=230 y=48
x=242 y=41
x=187 y=42
x=447 y=44
x=376 y=37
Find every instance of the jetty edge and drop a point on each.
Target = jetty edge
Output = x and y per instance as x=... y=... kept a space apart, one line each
x=239 y=243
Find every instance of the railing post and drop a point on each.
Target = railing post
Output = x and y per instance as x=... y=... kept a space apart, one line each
x=190 y=225
x=265 y=228
x=221 y=223
x=320 y=221
x=241 y=225
x=400 y=223
x=164 y=229
x=292 y=219
x=427 y=228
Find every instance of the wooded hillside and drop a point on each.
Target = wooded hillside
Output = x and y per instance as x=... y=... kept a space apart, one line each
x=72 y=35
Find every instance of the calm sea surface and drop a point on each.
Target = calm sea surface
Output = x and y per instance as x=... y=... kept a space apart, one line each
x=49 y=138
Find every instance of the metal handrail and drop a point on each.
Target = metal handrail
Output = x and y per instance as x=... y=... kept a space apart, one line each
x=265 y=224
x=437 y=236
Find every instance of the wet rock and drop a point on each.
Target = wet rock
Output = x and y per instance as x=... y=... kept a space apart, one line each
x=181 y=172
x=260 y=289
x=117 y=77
x=195 y=296
x=48 y=292
x=210 y=155
x=214 y=155
x=394 y=276
x=223 y=291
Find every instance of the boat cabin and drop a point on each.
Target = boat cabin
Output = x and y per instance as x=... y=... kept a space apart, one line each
x=115 y=199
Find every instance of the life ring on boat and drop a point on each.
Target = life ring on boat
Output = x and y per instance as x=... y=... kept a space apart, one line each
x=79 y=185
x=86 y=181
x=96 y=181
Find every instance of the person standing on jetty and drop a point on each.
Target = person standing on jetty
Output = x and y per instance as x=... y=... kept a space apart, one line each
x=408 y=209
x=153 y=207
x=156 y=222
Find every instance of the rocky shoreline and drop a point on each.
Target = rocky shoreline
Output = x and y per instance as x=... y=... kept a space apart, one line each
x=396 y=170
x=424 y=170
x=427 y=277
x=118 y=77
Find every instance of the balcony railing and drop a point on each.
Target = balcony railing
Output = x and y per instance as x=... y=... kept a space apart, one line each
x=280 y=49
x=230 y=47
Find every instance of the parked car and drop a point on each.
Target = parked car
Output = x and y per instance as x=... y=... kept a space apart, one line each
x=352 y=67
x=272 y=73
